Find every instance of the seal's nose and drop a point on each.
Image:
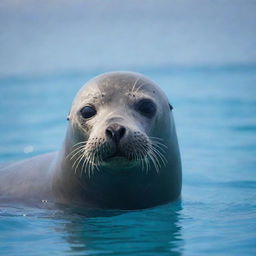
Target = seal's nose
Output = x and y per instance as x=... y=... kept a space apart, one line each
x=115 y=132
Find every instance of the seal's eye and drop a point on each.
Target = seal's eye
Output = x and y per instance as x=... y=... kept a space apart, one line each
x=88 y=111
x=146 y=107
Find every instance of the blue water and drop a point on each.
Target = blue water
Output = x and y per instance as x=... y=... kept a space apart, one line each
x=215 y=113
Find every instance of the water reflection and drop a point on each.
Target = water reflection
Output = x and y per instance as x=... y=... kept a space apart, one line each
x=154 y=231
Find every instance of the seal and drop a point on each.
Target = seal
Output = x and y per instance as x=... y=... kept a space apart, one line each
x=120 y=150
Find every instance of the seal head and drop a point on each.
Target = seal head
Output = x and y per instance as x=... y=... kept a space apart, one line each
x=121 y=147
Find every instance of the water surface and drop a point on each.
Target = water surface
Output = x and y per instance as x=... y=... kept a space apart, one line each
x=215 y=113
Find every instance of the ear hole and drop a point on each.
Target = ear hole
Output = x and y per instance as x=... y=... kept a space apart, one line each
x=170 y=106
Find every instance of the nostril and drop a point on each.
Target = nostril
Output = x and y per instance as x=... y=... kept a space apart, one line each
x=122 y=131
x=110 y=132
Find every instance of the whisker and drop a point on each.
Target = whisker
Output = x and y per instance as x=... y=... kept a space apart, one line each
x=157 y=138
x=138 y=88
x=134 y=85
x=86 y=166
x=160 y=155
x=77 y=162
x=99 y=90
x=159 y=148
x=147 y=164
x=72 y=152
x=154 y=156
x=81 y=142
x=83 y=166
x=153 y=161
x=78 y=152
x=158 y=143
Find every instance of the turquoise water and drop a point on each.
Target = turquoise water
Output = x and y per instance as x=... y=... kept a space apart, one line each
x=215 y=113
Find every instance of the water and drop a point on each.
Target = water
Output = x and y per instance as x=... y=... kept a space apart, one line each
x=215 y=113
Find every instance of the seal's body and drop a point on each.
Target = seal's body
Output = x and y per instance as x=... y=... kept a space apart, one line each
x=120 y=150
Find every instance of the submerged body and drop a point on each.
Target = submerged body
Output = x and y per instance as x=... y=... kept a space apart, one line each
x=120 y=150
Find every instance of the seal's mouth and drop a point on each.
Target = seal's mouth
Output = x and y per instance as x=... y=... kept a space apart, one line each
x=119 y=160
x=116 y=156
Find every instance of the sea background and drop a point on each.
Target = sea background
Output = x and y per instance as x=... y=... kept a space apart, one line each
x=201 y=53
